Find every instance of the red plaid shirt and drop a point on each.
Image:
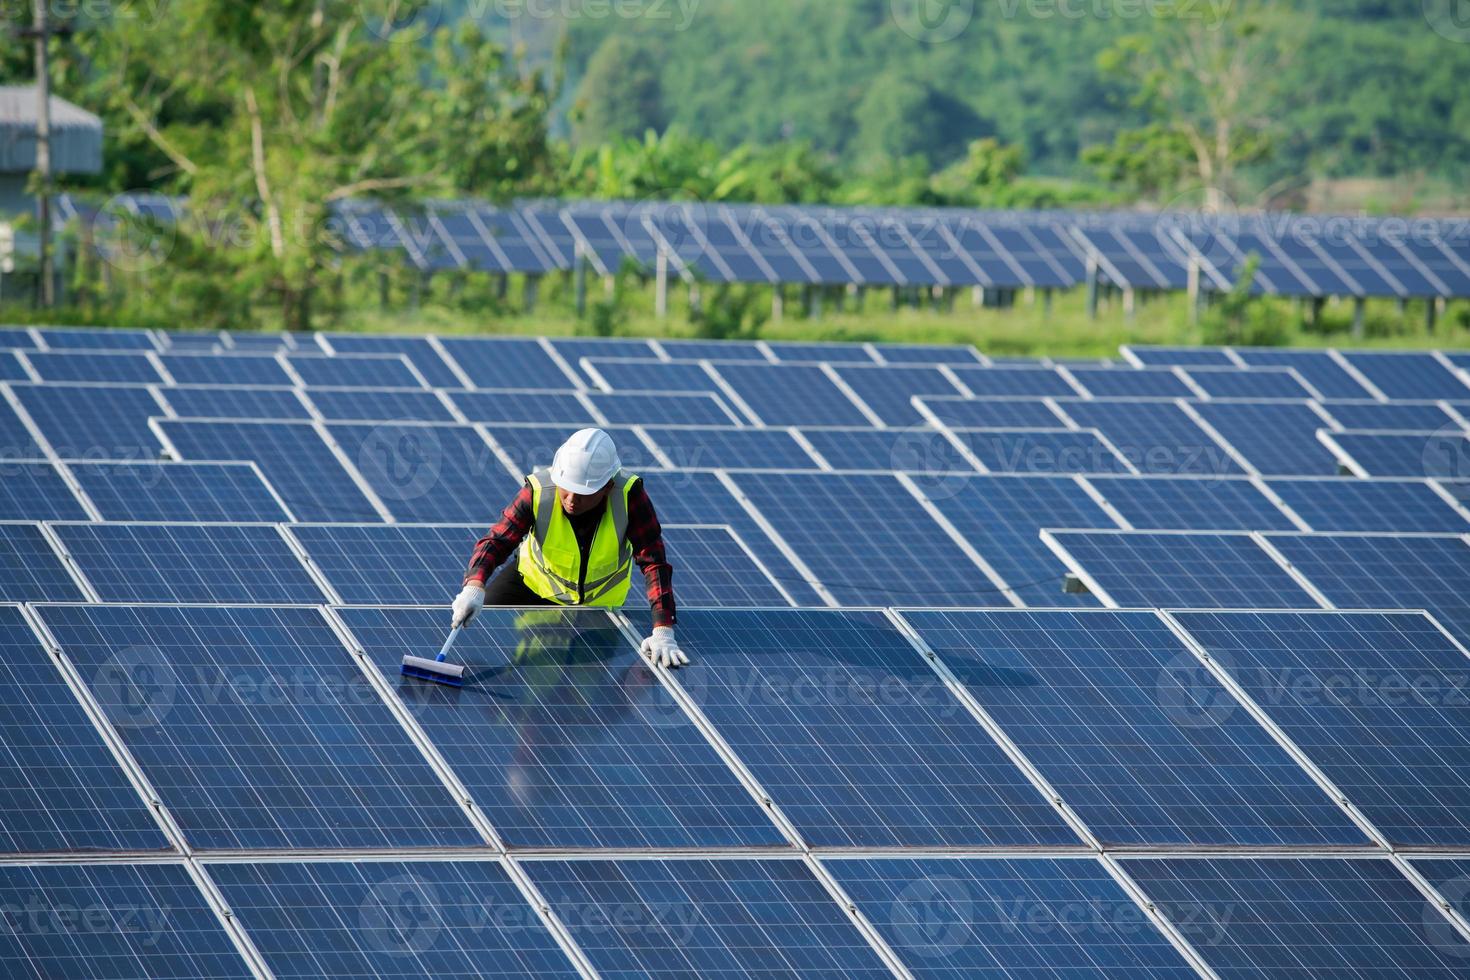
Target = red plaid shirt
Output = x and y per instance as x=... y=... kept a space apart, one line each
x=644 y=534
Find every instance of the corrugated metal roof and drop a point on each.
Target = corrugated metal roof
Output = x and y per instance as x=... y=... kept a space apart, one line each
x=76 y=134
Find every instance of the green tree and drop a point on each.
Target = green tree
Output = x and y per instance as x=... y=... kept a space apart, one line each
x=621 y=94
x=900 y=117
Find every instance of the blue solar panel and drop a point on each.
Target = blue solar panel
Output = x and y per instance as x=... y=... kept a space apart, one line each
x=715 y=350
x=110 y=921
x=733 y=919
x=257 y=728
x=417 y=349
x=908 y=449
x=292 y=456
x=654 y=376
x=1277 y=439
x=1449 y=878
x=30 y=569
x=1198 y=571
x=1157 y=437
x=226 y=369
x=36 y=492
x=370 y=405
x=1169 y=504
x=713 y=570
x=1131 y=731
x=1027 y=382
x=1402 y=416
x=523 y=406
x=1037 y=452
x=791 y=394
x=236 y=403
x=1319 y=369
x=1385 y=572
x=1002 y=516
x=93 y=422
x=674 y=408
x=562 y=736
x=530 y=446
x=354 y=371
x=1131 y=383
x=887 y=390
x=1369 y=505
x=1007 y=917
x=421 y=918
x=991 y=413
x=1181 y=356
x=1251 y=383
x=506 y=363
x=1375 y=700
x=710 y=448
x=925 y=354
x=242 y=564
x=220 y=492
x=1400 y=374
x=435 y=473
x=256 y=340
x=107 y=338
x=574 y=349
x=98 y=367
x=907 y=768
x=16 y=337
x=1275 y=917
x=865 y=538
x=836 y=353
x=1413 y=454
x=397 y=564
x=63 y=789
x=11 y=368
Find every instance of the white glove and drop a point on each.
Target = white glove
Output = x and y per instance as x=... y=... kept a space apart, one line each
x=662 y=649
x=470 y=600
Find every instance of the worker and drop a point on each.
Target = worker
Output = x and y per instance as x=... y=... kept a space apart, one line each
x=580 y=526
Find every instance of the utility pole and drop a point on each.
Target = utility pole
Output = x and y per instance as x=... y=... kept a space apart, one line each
x=41 y=32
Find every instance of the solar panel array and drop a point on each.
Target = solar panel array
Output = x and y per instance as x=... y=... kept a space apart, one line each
x=1154 y=667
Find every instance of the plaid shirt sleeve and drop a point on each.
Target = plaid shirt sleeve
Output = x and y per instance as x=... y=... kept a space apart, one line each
x=501 y=541
x=647 y=539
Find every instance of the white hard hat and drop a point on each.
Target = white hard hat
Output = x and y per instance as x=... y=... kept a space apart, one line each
x=585 y=462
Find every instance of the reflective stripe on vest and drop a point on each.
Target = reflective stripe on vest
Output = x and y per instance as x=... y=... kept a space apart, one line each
x=610 y=557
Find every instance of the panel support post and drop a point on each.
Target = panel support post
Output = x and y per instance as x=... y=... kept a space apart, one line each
x=1193 y=290
x=579 y=277
x=977 y=296
x=1092 y=287
x=661 y=285
x=1360 y=316
x=1130 y=303
x=1430 y=307
x=695 y=298
x=895 y=299
x=1046 y=301
x=533 y=286
x=778 y=302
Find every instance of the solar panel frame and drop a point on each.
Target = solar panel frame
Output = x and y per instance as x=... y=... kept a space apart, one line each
x=101 y=338
x=509 y=362
x=1161 y=503
x=31 y=569
x=1158 y=437
x=98 y=367
x=256 y=370
x=888 y=390
x=224 y=402
x=34 y=490
x=93 y=421
x=178 y=491
x=1318 y=368
x=1408 y=374
x=420 y=351
x=1337 y=504
x=1437 y=454
x=791 y=394
x=1423 y=416
x=982 y=413
x=1258 y=383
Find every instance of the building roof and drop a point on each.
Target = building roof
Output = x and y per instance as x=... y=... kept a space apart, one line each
x=76 y=134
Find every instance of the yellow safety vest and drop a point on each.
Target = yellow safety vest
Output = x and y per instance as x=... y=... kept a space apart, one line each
x=551 y=563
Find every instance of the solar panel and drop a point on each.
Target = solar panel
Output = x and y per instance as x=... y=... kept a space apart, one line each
x=1198 y=571
x=16 y=337
x=257 y=340
x=1449 y=878
x=713 y=570
x=291 y=455
x=1319 y=369
x=990 y=413
x=114 y=368
x=419 y=351
x=355 y=371
x=1191 y=504
x=219 y=492
x=93 y=421
x=1411 y=454
x=716 y=448
x=1018 y=382
x=30 y=569
x=398 y=564
x=1036 y=451
x=1369 y=505
x=1131 y=383
x=1403 y=374
x=565 y=407
x=1178 y=356
x=380 y=918
x=104 y=921
x=904 y=767
x=962 y=354
x=1269 y=917
x=717 y=350
x=1375 y=700
x=1424 y=416
x=787 y=351
x=1250 y=383
x=235 y=403
x=256 y=727
x=562 y=736
x=530 y=446
x=374 y=405
x=226 y=369
x=1133 y=733
x=791 y=394
x=34 y=491
x=573 y=349
x=887 y=390
x=1157 y=437
x=1278 y=439
x=914 y=450
x=505 y=362
x=432 y=473
x=1011 y=917
x=64 y=791
x=105 y=338
x=236 y=563
x=673 y=408
x=631 y=375
x=11 y=368
x=707 y=918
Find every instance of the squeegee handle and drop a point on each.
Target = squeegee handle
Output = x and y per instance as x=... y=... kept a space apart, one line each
x=453 y=635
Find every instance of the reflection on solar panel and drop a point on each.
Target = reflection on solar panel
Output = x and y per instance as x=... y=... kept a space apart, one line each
x=36 y=492
x=887 y=390
x=226 y=369
x=1408 y=375
x=1268 y=917
x=1037 y=451
x=1199 y=571
x=708 y=448
x=354 y=371
x=1438 y=454
x=1253 y=383
x=1277 y=439
x=63 y=789
x=530 y=446
x=713 y=570
x=1028 y=382
x=674 y=408
x=107 y=368
x=907 y=767
x=565 y=407
x=506 y=363
x=1425 y=416
x=93 y=422
x=221 y=492
x=1375 y=700
x=1131 y=383
x=1132 y=731
x=562 y=735
x=1157 y=437
x=791 y=395
x=925 y=354
x=417 y=349
x=706 y=918
x=987 y=413
x=108 y=338
x=653 y=376
x=188 y=563
x=1386 y=572
x=1319 y=369
x=235 y=403
x=369 y=405
x=836 y=353
x=467 y=919
x=1188 y=504
x=256 y=727
x=292 y=456
x=101 y=921
x=1369 y=505
x=1012 y=917
x=395 y=564
x=30 y=570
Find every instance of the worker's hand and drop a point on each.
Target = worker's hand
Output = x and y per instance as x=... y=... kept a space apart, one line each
x=470 y=600
x=663 y=649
